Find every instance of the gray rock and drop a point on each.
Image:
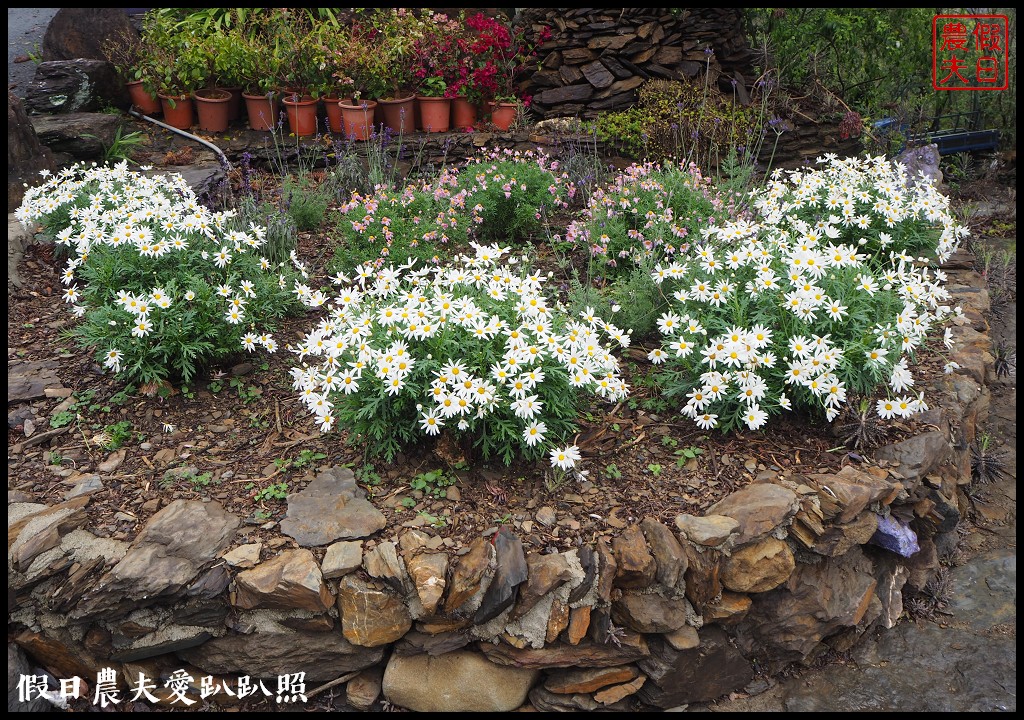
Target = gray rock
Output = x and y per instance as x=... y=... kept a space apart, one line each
x=28 y=381
x=244 y=557
x=510 y=572
x=651 y=613
x=760 y=509
x=342 y=558
x=80 y=32
x=710 y=531
x=333 y=507
x=18 y=667
x=917 y=456
x=273 y=651
x=290 y=580
x=922 y=162
x=69 y=86
x=546 y=701
x=82 y=135
x=816 y=602
x=712 y=669
x=668 y=554
x=86 y=487
x=26 y=156
x=459 y=681
x=175 y=546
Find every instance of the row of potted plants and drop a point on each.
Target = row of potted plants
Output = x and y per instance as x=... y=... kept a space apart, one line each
x=453 y=65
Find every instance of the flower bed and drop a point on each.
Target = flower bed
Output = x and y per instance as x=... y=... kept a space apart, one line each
x=658 y=610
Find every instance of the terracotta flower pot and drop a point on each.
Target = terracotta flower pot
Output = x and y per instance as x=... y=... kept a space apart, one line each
x=235 y=104
x=435 y=113
x=213 y=108
x=178 y=110
x=357 y=118
x=301 y=112
x=503 y=115
x=262 y=110
x=142 y=100
x=400 y=115
x=464 y=113
x=333 y=107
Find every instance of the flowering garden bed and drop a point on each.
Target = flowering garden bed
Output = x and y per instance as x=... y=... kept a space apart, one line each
x=598 y=452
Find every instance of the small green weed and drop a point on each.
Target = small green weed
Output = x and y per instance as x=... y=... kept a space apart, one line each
x=433 y=483
x=274 y=491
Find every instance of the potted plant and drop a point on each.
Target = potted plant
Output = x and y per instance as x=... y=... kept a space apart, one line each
x=259 y=67
x=178 y=64
x=397 y=30
x=225 y=58
x=125 y=52
x=435 y=106
x=338 y=53
x=437 y=54
x=504 y=53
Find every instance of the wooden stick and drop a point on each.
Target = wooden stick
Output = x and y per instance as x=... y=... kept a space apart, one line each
x=333 y=683
x=37 y=439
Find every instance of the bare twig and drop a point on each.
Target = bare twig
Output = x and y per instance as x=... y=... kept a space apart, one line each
x=333 y=683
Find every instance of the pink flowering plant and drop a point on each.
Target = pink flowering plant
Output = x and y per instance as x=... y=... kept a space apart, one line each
x=164 y=286
x=512 y=193
x=648 y=212
x=421 y=220
x=474 y=348
x=437 y=55
x=811 y=301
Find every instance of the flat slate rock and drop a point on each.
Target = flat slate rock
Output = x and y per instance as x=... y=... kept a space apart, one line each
x=332 y=507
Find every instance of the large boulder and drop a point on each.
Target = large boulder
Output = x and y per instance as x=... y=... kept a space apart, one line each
x=67 y=86
x=80 y=32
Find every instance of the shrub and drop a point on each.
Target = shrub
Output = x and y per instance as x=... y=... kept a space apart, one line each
x=473 y=349
x=814 y=299
x=167 y=286
x=395 y=225
x=683 y=120
x=650 y=211
x=512 y=193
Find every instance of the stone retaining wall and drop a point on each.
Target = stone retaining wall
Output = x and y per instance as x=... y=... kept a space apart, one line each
x=657 y=615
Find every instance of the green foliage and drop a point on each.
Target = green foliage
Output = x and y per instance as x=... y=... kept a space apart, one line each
x=633 y=300
x=304 y=460
x=368 y=475
x=306 y=201
x=648 y=212
x=418 y=221
x=822 y=296
x=169 y=287
x=117 y=434
x=684 y=455
x=683 y=120
x=274 y=491
x=474 y=347
x=433 y=483
x=511 y=194
x=63 y=418
x=878 y=61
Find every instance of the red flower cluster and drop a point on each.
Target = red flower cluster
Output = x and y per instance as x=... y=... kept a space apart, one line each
x=492 y=58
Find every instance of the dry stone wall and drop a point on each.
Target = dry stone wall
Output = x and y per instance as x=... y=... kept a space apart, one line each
x=596 y=58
